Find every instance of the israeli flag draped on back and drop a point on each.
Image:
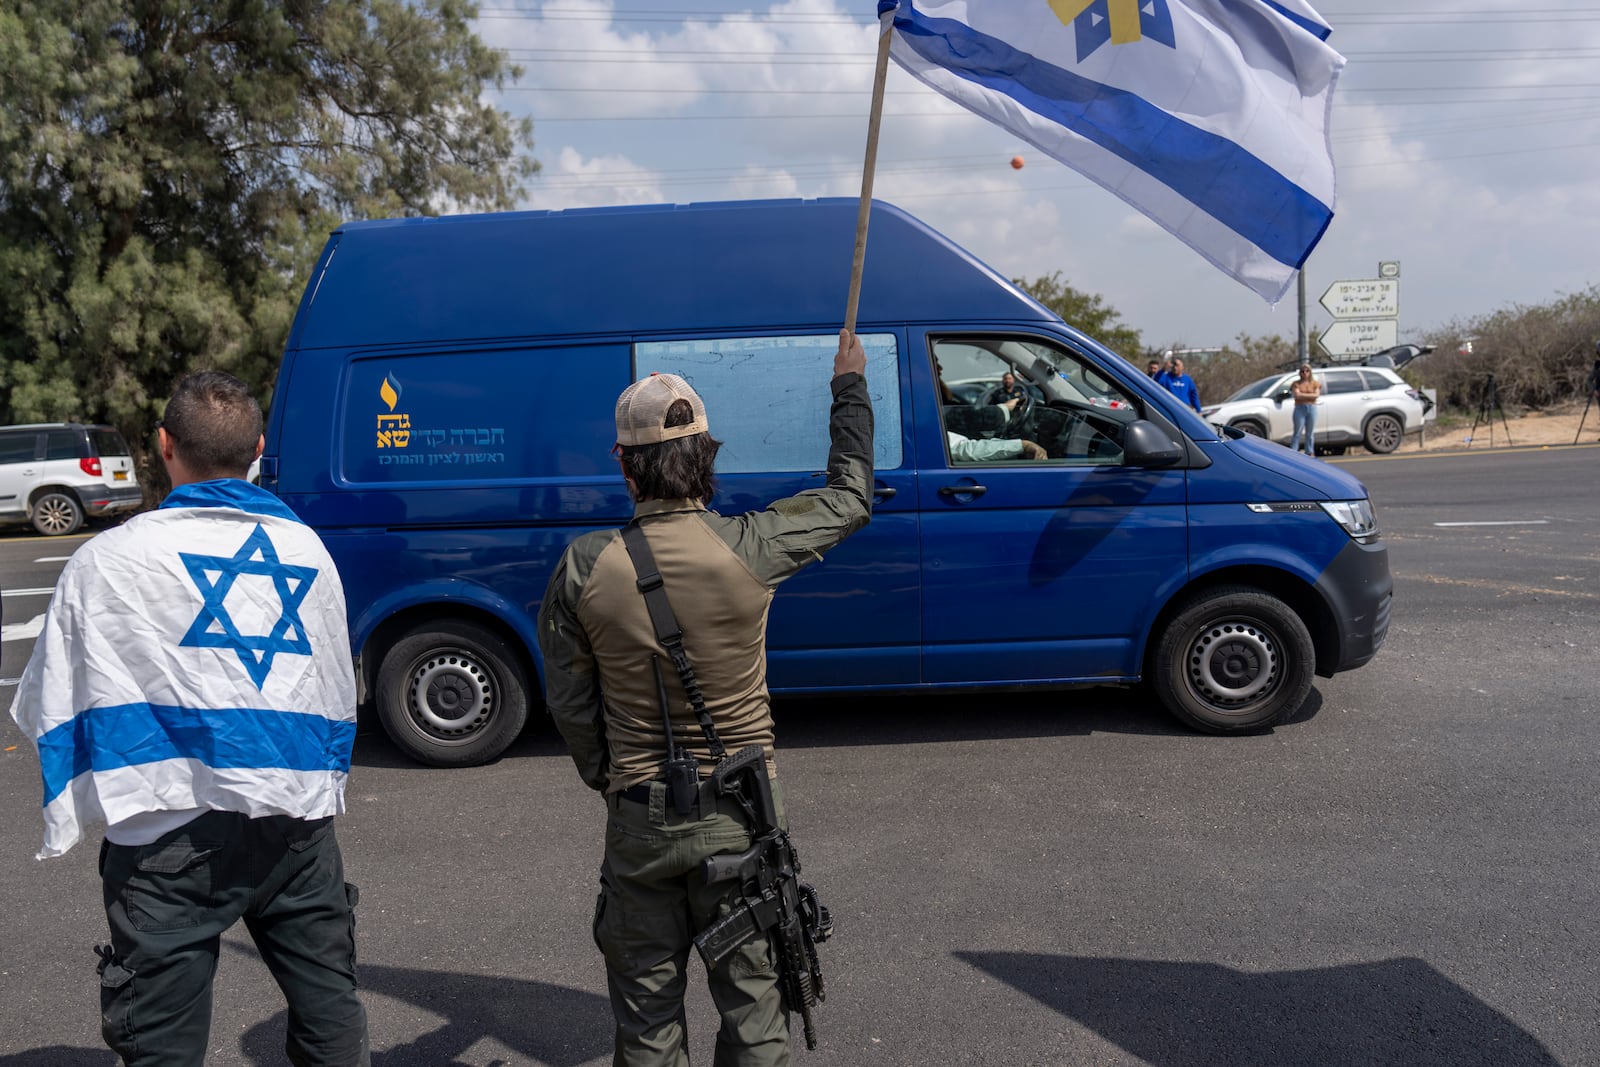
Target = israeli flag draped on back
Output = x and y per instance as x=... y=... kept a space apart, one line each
x=195 y=657
x=1209 y=116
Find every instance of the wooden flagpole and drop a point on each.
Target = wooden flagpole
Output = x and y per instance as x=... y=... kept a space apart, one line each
x=879 y=75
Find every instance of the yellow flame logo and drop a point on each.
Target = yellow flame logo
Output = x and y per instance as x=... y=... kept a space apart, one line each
x=390 y=395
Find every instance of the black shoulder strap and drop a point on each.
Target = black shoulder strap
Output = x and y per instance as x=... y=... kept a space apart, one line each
x=668 y=632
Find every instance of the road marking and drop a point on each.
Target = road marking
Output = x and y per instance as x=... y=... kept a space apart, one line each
x=1502 y=522
x=1501 y=588
x=23 y=631
x=52 y=559
x=8 y=682
x=1503 y=450
x=41 y=591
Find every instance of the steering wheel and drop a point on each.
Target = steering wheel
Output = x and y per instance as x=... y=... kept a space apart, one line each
x=1019 y=415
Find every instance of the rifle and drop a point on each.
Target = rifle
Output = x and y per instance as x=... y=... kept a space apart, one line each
x=774 y=902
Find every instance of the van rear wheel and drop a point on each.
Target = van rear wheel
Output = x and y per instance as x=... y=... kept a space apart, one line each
x=1234 y=659
x=57 y=513
x=452 y=694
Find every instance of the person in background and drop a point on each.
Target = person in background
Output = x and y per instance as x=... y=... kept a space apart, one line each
x=1154 y=369
x=1305 y=390
x=1181 y=385
x=212 y=734
x=1009 y=392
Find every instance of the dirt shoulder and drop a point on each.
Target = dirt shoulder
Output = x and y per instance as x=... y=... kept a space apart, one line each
x=1554 y=426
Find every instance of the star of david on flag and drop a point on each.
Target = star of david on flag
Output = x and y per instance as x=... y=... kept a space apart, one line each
x=1100 y=22
x=214 y=627
x=1208 y=116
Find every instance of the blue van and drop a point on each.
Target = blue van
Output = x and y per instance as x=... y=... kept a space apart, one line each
x=443 y=418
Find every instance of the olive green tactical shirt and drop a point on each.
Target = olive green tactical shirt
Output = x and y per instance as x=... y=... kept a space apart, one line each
x=719 y=573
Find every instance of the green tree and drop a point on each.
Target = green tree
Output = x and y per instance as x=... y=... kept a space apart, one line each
x=169 y=170
x=1087 y=311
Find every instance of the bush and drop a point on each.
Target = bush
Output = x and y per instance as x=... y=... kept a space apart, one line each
x=1538 y=355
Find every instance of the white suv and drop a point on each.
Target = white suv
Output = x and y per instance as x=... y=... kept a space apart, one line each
x=1371 y=406
x=54 y=475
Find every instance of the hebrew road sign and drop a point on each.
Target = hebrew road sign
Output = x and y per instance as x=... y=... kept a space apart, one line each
x=1373 y=298
x=1359 y=337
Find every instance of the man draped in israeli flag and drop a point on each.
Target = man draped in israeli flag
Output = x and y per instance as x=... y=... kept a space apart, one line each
x=1209 y=116
x=193 y=689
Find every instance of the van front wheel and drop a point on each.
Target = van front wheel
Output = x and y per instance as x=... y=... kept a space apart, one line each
x=452 y=694
x=1234 y=659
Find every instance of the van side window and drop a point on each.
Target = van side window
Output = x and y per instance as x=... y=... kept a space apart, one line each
x=1057 y=405
x=17 y=447
x=63 y=444
x=767 y=397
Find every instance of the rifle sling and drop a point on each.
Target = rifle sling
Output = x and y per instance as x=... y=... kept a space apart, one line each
x=668 y=632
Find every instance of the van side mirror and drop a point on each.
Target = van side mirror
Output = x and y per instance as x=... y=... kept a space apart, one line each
x=1147 y=445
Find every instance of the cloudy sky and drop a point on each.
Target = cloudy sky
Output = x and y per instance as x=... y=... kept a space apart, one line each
x=1466 y=133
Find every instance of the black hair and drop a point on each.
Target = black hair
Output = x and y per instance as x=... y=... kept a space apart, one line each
x=681 y=469
x=214 y=424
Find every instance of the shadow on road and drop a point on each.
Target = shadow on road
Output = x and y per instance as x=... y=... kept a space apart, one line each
x=547 y=1023
x=60 y=1056
x=824 y=723
x=1398 y=1011
x=827 y=722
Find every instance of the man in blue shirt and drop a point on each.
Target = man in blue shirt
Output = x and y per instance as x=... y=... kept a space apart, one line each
x=1181 y=385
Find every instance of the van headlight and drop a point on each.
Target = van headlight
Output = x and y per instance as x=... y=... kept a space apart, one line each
x=1356 y=516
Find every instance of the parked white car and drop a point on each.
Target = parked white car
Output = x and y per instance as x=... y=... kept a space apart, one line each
x=1371 y=406
x=54 y=475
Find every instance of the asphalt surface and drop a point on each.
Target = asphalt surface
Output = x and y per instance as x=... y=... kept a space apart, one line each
x=1403 y=874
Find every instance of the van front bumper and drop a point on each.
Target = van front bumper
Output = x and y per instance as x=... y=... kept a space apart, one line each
x=110 y=501
x=1359 y=589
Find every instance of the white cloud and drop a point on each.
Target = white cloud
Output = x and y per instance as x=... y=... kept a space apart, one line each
x=575 y=181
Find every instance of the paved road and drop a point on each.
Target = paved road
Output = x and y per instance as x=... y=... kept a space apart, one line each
x=1405 y=874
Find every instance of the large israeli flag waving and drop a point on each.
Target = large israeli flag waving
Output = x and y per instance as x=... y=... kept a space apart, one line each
x=194 y=658
x=1209 y=116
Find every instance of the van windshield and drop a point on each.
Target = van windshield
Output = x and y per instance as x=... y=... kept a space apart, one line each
x=1255 y=389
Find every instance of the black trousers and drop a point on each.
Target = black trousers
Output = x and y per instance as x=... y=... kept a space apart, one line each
x=168 y=903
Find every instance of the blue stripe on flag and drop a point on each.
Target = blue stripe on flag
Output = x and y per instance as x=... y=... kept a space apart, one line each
x=1213 y=173
x=229 y=493
x=1316 y=29
x=104 y=739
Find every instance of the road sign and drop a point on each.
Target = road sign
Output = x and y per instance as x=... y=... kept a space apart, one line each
x=1359 y=337
x=1371 y=298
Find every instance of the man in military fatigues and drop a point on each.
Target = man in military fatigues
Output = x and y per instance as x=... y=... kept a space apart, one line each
x=597 y=638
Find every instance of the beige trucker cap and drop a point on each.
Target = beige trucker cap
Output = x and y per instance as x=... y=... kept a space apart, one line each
x=642 y=411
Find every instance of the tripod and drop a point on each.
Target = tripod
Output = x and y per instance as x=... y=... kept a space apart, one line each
x=1593 y=388
x=1487 y=406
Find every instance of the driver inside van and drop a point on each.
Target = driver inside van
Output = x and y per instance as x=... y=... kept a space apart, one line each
x=966 y=450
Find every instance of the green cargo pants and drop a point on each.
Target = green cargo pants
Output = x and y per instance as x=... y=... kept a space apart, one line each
x=652 y=902
x=167 y=904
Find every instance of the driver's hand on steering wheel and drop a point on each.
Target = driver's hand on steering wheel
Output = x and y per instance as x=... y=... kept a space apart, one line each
x=1031 y=450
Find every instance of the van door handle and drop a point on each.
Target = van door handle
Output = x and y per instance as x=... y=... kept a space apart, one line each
x=884 y=492
x=963 y=490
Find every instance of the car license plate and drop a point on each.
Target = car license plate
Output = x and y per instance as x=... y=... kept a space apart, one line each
x=119 y=476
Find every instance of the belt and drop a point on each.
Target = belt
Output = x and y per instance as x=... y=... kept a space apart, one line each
x=639 y=794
